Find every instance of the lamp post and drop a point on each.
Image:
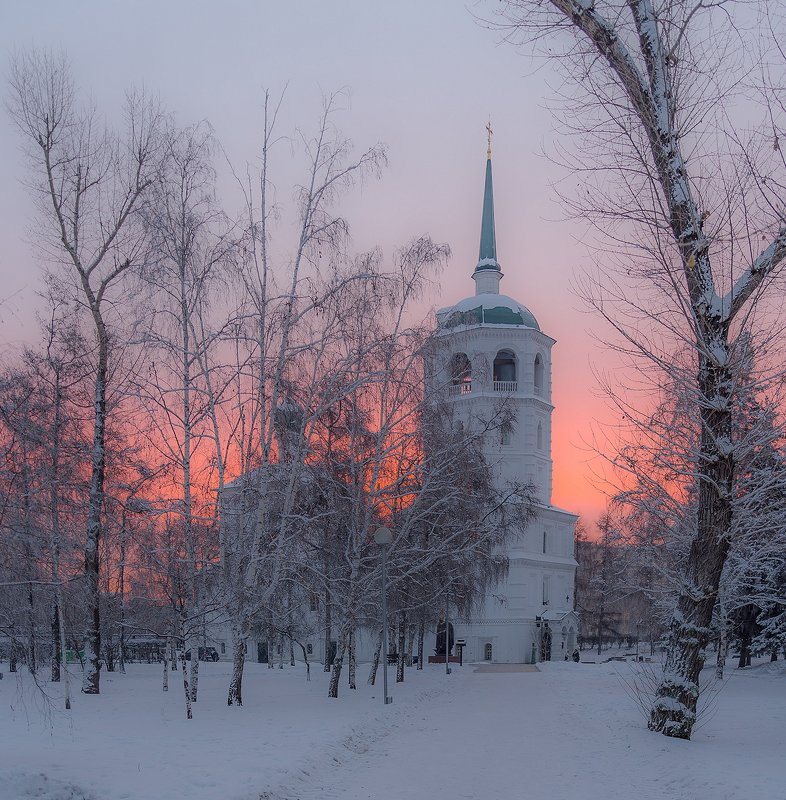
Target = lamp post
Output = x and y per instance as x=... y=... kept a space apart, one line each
x=383 y=537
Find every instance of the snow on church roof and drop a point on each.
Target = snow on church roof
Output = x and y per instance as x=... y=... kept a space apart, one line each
x=487 y=309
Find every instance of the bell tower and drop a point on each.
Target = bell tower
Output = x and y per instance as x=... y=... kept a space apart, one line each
x=491 y=354
x=493 y=350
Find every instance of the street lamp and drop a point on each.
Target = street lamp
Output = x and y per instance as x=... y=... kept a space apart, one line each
x=383 y=537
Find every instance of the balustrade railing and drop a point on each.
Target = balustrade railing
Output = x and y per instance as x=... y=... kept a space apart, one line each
x=460 y=388
x=506 y=386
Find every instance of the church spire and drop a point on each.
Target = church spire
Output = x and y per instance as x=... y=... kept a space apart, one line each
x=487 y=272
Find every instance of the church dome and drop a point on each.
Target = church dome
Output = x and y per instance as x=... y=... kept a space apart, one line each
x=487 y=309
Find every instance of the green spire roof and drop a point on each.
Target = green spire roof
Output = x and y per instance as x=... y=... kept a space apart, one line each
x=487 y=258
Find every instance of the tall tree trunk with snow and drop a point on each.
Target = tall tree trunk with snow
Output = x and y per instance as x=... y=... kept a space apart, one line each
x=402 y=642
x=92 y=674
x=421 y=638
x=121 y=589
x=723 y=645
x=12 y=656
x=55 y=543
x=191 y=643
x=186 y=687
x=651 y=60
x=55 y=676
x=338 y=663
x=239 y=636
x=372 y=673
x=674 y=709
x=32 y=661
x=352 y=659
x=328 y=630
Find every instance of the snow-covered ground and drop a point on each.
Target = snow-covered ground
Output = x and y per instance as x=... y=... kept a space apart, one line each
x=568 y=731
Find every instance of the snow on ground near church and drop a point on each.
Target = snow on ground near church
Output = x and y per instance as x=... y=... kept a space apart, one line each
x=569 y=731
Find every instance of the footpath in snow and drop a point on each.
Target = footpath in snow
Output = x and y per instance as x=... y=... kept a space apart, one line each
x=571 y=732
x=568 y=731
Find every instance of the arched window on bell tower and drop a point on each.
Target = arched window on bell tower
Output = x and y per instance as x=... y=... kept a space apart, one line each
x=460 y=374
x=538 y=374
x=505 y=378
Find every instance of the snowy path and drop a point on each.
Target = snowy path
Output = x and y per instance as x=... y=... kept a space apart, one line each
x=565 y=734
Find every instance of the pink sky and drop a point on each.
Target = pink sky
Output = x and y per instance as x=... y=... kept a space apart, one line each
x=421 y=77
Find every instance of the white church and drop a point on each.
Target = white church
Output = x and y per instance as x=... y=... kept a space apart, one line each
x=492 y=345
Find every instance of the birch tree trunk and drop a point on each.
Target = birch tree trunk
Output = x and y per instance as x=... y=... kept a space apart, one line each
x=12 y=656
x=335 y=674
x=402 y=642
x=306 y=662
x=421 y=638
x=239 y=635
x=722 y=650
x=55 y=542
x=55 y=676
x=352 y=659
x=122 y=592
x=194 y=668
x=372 y=673
x=186 y=688
x=328 y=630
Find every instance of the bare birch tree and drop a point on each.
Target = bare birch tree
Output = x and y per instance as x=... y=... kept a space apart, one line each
x=188 y=247
x=89 y=184
x=284 y=302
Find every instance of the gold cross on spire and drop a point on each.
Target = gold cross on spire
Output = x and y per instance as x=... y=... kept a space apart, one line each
x=490 y=133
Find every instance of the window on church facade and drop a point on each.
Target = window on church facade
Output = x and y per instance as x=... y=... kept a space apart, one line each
x=505 y=371
x=540 y=436
x=545 y=590
x=545 y=540
x=538 y=374
x=506 y=434
x=460 y=374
